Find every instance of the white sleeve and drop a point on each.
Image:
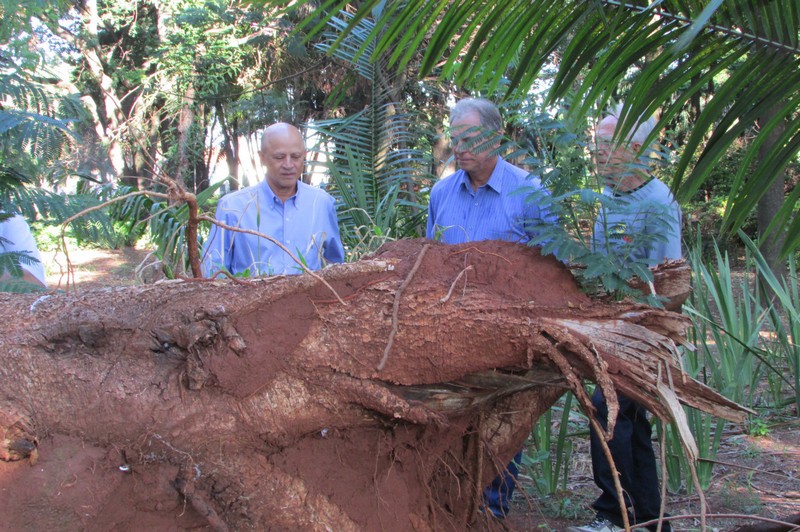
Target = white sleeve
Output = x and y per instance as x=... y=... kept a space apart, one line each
x=18 y=237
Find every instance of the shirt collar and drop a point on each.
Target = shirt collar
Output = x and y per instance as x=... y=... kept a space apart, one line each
x=632 y=192
x=275 y=200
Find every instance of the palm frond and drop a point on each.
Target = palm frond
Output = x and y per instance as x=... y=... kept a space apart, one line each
x=370 y=155
x=11 y=271
x=95 y=227
x=370 y=170
x=660 y=53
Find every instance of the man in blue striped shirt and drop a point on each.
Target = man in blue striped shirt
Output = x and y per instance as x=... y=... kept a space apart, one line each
x=300 y=217
x=488 y=198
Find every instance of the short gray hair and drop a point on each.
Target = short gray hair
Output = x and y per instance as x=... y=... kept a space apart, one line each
x=486 y=110
x=643 y=127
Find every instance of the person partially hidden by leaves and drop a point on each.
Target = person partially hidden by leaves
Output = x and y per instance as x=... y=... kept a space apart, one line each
x=488 y=198
x=642 y=224
x=21 y=267
x=300 y=217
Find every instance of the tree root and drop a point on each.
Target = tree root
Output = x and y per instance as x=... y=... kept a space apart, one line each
x=453 y=285
x=477 y=442
x=576 y=386
x=396 y=306
x=185 y=485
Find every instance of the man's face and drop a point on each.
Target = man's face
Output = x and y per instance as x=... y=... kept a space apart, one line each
x=284 y=155
x=613 y=162
x=473 y=147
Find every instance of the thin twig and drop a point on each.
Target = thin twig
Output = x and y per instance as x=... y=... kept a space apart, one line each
x=355 y=293
x=213 y=278
x=467 y=250
x=782 y=476
x=396 y=306
x=697 y=487
x=70 y=274
x=477 y=488
x=663 y=450
x=452 y=286
x=267 y=237
x=791 y=526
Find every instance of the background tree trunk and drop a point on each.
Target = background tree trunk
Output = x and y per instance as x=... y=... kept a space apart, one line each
x=771 y=243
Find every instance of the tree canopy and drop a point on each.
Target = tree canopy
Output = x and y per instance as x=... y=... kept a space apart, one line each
x=663 y=55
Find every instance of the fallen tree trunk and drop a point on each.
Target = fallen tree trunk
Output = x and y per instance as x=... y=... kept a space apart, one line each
x=270 y=404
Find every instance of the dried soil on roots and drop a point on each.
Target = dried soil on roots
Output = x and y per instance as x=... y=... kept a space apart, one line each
x=78 y=486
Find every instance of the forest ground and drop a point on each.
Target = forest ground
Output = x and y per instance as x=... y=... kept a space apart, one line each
x=755 y=475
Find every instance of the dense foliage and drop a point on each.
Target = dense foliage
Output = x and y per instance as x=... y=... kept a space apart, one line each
x=664 y=55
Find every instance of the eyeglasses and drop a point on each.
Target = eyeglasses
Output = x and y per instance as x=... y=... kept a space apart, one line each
x=473 y=139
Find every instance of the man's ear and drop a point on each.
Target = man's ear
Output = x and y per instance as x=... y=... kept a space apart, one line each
x=262 y=156
x=636 y=146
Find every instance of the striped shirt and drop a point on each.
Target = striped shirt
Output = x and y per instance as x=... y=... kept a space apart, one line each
x=650 y=212
x=306 y=224
x=502 y=209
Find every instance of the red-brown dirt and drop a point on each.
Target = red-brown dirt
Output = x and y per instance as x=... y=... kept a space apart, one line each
x=295 y=448
x=76 y=486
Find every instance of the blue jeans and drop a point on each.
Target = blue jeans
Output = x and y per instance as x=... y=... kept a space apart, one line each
x=497 y=494
x=632 y=450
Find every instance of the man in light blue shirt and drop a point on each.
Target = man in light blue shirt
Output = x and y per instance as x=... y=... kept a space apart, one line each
x=648 y=211
x=645 y=222
x=486 y=199
x=300 y=217
x=644 y=225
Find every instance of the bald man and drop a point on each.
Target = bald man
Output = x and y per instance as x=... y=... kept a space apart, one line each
x=299 y=216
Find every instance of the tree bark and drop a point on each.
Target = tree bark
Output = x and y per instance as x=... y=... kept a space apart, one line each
x=265 y=396
x=771 y=242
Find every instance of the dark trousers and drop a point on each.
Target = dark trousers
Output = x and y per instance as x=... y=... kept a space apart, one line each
x=632 y=450
x=497 y=495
